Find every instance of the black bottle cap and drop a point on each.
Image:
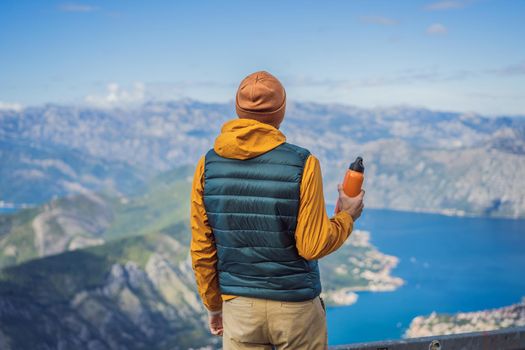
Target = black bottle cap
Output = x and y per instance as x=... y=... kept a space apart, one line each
x=357 y=165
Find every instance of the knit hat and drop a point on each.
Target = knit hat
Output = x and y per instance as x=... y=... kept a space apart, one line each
x=261 y=97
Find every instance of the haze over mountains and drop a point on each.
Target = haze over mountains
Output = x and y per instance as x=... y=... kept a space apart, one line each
x=415 y=159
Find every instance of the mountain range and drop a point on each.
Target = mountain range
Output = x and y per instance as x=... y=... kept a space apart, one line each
x=96 y=254
x=416 y=159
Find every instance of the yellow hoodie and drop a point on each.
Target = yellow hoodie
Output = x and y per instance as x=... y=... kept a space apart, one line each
x=316 y=235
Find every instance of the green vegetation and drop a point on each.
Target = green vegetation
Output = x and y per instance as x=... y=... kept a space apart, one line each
x=17 y=237
x=160 y=207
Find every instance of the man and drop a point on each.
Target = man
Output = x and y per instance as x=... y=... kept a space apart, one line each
x=259 y=224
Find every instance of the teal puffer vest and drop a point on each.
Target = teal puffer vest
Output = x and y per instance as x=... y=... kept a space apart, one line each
x=252 y=208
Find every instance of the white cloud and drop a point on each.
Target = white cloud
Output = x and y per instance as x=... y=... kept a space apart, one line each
x=75 y=7
x=437 y=29
x=445 y=5
x=118 y=97
x=381 y=20
x=7 y=106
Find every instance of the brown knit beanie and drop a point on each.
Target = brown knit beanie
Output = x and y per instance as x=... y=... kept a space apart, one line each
x=261 y=97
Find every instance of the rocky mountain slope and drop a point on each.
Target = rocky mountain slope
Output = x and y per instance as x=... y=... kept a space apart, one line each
x=132 y=293
x=416 y=159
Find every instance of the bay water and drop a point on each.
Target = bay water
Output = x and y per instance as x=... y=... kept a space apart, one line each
x=449 y=264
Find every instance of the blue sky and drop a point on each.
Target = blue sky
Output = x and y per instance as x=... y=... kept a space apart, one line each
x=461 y=55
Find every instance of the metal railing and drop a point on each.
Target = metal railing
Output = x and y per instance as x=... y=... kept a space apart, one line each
x=503 y=339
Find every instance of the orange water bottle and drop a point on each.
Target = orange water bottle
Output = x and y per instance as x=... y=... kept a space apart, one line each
x=353 y=180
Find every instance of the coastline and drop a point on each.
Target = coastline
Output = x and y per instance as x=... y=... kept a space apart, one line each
x=365 y=267
x=466 y=322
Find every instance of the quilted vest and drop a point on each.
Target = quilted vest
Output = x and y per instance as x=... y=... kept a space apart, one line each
x=252 y=208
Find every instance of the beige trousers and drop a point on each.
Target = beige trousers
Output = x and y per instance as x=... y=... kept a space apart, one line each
x=252 y=323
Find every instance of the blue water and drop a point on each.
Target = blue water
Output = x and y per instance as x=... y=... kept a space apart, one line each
x=449 y=264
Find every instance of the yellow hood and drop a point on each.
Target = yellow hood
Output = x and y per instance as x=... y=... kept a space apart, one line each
x=247 y=138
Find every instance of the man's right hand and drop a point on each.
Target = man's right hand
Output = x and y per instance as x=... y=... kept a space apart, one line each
x=352 y=205
x=215 y=323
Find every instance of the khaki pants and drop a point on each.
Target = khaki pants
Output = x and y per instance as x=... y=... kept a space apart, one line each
x=252 y=323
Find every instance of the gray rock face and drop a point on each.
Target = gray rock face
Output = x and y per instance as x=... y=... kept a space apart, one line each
x=133 y=308
x=71 y=224
x=64 y=224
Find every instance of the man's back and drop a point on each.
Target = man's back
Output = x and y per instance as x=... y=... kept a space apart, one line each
x=258 y=227
x=252 y=207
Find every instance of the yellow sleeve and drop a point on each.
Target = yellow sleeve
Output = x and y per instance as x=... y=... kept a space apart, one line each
x=316 y=235
x=202 y=247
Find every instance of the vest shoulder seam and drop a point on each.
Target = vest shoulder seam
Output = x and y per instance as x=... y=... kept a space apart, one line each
x=298 y=150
